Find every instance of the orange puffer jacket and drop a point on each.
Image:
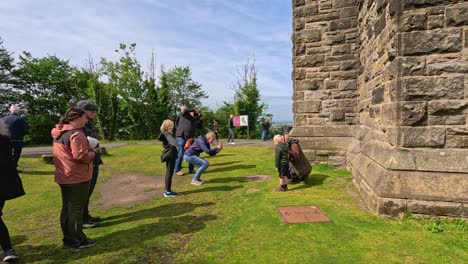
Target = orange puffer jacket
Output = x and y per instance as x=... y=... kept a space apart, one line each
x=73 y=156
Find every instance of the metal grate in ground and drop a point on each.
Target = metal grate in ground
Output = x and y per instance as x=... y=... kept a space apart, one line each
x=302 y=214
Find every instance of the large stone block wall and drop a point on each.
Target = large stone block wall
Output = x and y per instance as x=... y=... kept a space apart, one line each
x=381 y=86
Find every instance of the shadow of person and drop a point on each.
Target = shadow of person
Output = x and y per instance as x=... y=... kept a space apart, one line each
x=167 y=210
x=42 y=173
x=227 y=179
x=136 y=236
x=230 y=168
x=116 y=241
x=212 y=189
x=312 y=180
x=225 y=163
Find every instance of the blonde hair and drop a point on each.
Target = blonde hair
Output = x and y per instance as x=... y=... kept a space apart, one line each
x=210 y=135
x=3 y=128
x=278 y=139
x=167 y=126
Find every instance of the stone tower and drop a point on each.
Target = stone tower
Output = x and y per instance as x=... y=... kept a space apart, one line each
x=381 y=86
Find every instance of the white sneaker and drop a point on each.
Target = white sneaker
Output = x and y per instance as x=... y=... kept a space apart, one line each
x=196 y=182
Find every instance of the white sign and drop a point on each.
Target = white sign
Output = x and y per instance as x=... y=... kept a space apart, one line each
x=244 y=120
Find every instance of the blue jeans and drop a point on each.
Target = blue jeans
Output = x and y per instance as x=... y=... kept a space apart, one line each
x=202 y=165
x=264 y=134
x=180 y=155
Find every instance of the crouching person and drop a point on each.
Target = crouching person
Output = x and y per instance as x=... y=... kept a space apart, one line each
x=73 y=158
x=192 y=155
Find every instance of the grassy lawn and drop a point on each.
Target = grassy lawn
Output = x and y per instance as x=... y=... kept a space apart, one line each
x=220 y=222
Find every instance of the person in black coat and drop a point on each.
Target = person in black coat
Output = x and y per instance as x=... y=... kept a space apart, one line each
x=11 y=187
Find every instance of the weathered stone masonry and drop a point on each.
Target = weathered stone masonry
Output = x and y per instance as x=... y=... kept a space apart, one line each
x=382 y=87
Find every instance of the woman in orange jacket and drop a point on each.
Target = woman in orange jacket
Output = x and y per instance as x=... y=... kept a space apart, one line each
x=73 y=159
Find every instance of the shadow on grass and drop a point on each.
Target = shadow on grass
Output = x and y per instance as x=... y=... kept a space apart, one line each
x=119 y=241
x=225 y=163
x=44 y=173
x=312 y=180
x=212 y=189
x=167 y=210
x=230 y=168
x=225 y=155
x=227 y=179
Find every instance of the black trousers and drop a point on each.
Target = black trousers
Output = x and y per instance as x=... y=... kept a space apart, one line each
x=17 y=147
x=74 y=197
x=4 y=234
x=170 y=165
x=91 y=189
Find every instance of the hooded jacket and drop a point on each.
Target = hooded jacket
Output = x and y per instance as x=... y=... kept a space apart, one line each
x=73 y=156
x=201 y=145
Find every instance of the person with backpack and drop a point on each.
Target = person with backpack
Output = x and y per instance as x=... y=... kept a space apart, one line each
x=281 y=162
x=11 y=187
x=192 y=155
x=169 y=154
x=299 y=165
x=73 y=159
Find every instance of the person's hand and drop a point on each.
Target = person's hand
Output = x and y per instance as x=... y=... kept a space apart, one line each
x=220 y=146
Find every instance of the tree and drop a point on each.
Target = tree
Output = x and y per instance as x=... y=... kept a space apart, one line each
x=6 y=67
x=247 y=97
x=183 y=90
x=125 y=83
x=45 y=87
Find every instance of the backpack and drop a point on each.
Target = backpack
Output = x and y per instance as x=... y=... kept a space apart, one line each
x=188 y=143
x=298 y=161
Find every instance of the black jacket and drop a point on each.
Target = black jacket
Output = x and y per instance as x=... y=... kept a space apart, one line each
x=10 y=183
x=170 y=147
x=17 y=126
x=89 y=131
x=185 y=127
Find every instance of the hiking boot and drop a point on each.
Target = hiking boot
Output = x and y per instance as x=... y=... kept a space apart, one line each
x=90 y=218
x=90 y=224
x=179 y=173
x=197 y=182
x=10 y=255
x=281 y=189
x=191 y=171
x=170 y=194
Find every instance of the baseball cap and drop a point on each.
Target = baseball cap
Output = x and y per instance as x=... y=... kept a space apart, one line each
x=87 y=105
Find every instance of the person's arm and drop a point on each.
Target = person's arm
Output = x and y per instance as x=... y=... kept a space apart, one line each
x=206 y=149
x=80 y=148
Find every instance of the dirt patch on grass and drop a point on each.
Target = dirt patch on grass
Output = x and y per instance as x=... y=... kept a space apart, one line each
x=130 y=189
x=258 y=178
x=249 y=191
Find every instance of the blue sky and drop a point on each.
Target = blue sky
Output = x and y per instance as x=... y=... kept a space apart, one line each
x=213 y=37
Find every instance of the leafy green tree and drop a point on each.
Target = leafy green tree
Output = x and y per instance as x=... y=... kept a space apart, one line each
x=247 y=97
x=183 y=90
x=125 y=82
x=6 y=67
x=222 y=115
x=46 y=87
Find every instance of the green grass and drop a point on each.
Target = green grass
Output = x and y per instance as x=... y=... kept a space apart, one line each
x=219 y=223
